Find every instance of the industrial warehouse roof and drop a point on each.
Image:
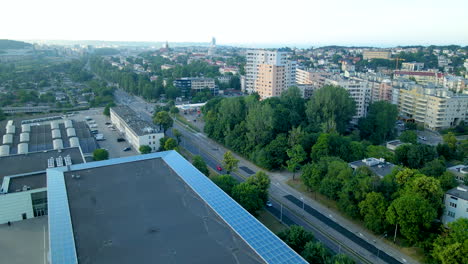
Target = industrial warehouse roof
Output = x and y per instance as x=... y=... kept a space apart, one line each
x=33 y=162
x=134 y=121
x=152 y=208
x=40 y=137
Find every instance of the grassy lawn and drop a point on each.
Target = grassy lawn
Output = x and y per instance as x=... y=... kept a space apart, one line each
x=183 y=120
x=267 y=219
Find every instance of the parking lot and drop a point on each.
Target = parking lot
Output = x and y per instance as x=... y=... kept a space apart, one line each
x=111 y=135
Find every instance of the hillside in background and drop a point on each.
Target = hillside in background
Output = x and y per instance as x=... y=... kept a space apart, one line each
x=13 y=44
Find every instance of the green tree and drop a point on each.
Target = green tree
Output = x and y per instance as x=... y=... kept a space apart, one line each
x=174 y=110
x=177 y=135
x=380 y=152
x=262 y=182
x=200 y=164
x=409 y=136
x=162 y=142
x=170 y=144
x=316 y=252
x=163 y=119
x=248 y=196
x=411 y=213
x=2 y=115
x=450 y=140
x=229 y=162
x=331 y=107
x=379 y=124
x=296 y=156
x=296 y=237
x=144 y=149
x=100 y=154
x=341 y=259
x=428 y=188
x=338 y=174
x=451 y=247
x=373 y=209
x=354 y=190
x=226 y=182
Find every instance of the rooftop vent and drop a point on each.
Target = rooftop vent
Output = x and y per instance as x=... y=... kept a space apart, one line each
x=50 y=162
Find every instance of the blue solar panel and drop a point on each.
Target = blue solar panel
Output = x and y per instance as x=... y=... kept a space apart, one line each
x=261 y=239
x=61 y=240
x=268 y=246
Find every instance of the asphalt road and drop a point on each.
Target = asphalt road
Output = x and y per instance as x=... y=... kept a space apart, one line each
x=329 y=232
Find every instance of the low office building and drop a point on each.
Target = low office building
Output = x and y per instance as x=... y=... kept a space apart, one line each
x=137 y=131
x=380 y=167
x=155 y=208
x=456 y=204
x=23 y=192
x=460 y=172
x=192 y=85
x=394 y=144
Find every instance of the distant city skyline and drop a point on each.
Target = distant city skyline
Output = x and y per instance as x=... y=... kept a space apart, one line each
x=297 y=23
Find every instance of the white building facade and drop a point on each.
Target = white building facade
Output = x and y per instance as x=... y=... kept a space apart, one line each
x=137 y=131
x=456 y=204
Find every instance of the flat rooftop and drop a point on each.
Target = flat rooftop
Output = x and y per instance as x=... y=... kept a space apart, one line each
x=24 y=241
x=146 y=209
x=460 y=192
x=154 y=208
x=380 y=170
x=33 y=162
x=134 y=121
x=33 y=181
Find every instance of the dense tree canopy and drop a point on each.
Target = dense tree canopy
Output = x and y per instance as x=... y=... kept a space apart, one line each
x=379 y=124
x=332 y=108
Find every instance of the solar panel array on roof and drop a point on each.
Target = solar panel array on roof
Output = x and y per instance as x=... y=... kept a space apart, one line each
x=262 y=240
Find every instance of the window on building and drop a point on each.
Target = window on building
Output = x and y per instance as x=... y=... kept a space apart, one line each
x=451 y=214
x=454 y=205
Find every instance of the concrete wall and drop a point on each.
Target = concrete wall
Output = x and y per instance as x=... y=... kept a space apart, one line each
x=13 y=205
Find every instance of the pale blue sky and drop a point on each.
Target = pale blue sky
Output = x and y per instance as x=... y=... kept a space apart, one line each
x=249 y=22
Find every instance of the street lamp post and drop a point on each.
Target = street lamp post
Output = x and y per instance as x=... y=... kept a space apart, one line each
x=281 y=213
x=303 y=209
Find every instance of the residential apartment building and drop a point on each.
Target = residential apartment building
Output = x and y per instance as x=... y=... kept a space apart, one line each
x=455 y=83
x=137 y=131
x=435 y=108
x=412 y=66
x=257 y=69
x=421 y=77
x=270 y=80
x=376 y=54
x=456 y=204
x=358 y=89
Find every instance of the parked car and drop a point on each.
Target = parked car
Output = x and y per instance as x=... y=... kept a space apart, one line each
x=121 y=140
x=95 y=131
x=108 y=123
x=269 y=204
x=219 y=168
x=127 y=149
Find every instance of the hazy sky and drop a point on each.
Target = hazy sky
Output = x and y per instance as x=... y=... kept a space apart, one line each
x=250 y=22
